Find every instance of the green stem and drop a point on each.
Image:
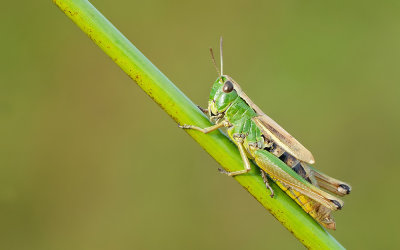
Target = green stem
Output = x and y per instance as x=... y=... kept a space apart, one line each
x=183 y=111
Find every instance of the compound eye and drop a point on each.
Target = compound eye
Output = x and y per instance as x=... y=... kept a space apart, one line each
x=228 y=87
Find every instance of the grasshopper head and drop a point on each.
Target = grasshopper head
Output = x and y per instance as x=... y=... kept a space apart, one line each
x=221 y=96
x=223 y=92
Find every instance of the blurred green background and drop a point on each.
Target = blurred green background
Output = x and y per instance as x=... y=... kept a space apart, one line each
x=88 y=161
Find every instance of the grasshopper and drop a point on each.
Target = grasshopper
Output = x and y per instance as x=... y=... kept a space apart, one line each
x=278 y=154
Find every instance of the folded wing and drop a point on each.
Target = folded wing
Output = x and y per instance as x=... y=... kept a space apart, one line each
x=271 y=129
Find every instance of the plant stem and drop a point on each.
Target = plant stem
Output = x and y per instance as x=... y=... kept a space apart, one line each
x=183 y=111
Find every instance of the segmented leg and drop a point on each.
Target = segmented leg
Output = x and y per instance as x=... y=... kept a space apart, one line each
x=239 y=138
x=265 y=179
x=206 y=130
x=205 y=111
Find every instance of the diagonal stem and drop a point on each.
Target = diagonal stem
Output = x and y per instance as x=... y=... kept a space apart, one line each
x=183 y=111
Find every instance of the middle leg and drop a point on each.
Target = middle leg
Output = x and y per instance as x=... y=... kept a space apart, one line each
x=239 y=139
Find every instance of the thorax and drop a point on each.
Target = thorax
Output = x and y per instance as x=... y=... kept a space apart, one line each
x=239 y=111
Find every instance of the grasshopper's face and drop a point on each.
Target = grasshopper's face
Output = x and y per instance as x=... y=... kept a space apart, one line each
x=221 y=96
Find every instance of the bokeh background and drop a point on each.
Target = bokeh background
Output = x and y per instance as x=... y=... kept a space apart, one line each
x=88 y=161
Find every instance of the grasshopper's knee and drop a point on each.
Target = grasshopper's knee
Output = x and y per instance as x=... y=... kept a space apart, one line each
x=239 y=138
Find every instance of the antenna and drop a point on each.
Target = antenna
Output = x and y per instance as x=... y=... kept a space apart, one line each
x=213 y=60
x=221 y=55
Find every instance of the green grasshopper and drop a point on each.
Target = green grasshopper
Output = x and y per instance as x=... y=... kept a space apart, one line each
x=275 y=151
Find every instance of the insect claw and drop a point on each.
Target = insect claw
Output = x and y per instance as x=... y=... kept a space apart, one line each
x=184 y=126
x=270 y=189
x=222 y=171
x=205 y=111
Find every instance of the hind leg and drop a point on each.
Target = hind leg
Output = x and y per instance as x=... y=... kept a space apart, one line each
x=265 y=179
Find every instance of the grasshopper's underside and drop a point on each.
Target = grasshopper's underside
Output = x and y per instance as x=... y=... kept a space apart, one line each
x=257 y=136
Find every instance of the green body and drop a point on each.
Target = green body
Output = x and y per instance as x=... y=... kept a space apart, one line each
x=238 y=113
x=253 y=134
